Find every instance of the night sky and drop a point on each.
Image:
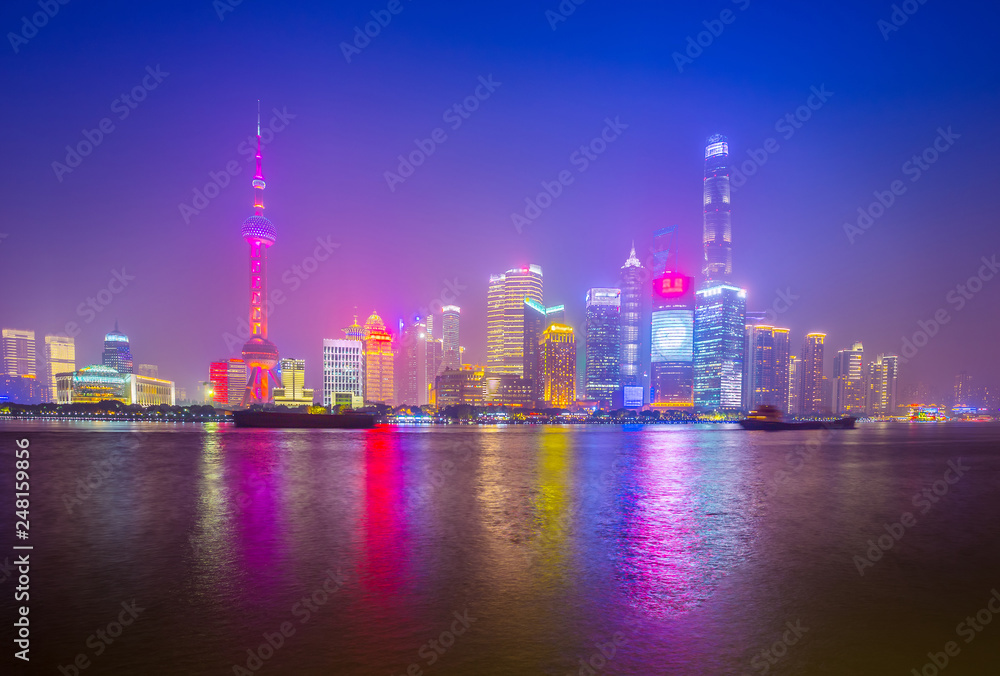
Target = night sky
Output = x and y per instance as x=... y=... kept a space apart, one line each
x=449 y=224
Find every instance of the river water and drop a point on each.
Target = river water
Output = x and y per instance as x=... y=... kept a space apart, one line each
x=667 y=549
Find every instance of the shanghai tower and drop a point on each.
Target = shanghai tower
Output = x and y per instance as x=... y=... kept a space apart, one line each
x=718 y=232
x=259 y=353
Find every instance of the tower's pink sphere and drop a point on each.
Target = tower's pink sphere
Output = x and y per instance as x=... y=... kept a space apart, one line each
x=260 y=352
x=258 y=227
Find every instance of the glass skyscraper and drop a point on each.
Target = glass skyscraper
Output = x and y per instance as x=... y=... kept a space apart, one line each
x=603 y=343
x=720 y=318
x=450 y=317
x=117 y=354
x=505 y=318
x=535 y=318
x=812 y=374
x=343 y=371
x=766 y=370
x=718 y=233
x=633 y=286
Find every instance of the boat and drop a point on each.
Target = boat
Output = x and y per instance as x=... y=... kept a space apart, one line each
x=283 y=420
x=770 y=419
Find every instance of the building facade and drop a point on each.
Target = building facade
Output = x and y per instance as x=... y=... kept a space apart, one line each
x=60 y=357
x=812 y=375
x=379 y=358
x=719 y=325
x=633 y=279
x=293 y=390
x=671 y=370
x=880 y=385
x=19 y=353
x=117 y=353
x=766 y=369
x=450 y=321
x=464 y=385
x=718 y=234
x=557 y=356
x=535 y=319
x=343 y=371
x=603 y=335
x=505 y=317
x=848 y=381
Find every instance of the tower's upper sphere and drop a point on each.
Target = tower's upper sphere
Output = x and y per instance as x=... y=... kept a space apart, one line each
x=258 y=227
x=260 y=352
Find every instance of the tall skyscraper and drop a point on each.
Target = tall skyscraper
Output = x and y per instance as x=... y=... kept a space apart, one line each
x=343 y=371
x=293 y=390
x=19 y=353
x=379 y=383
x=794 y=384
x=880 y=385
x=535 y=319
x=228 y=378
x=766 y=371
x=848 y=381
x=412 y=386
x=718 y=235
x=60 y=357
x=557 y=352
x=604 y=348
x=812 y=374
x=671 y=374
x=505 y=318
x=117 y=353
x=719 y=325
x=450 y=316
x=963 y=390
x=633 y=278
x=259 y=353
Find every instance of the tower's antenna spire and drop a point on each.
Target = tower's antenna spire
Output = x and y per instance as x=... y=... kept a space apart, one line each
x=258 y=179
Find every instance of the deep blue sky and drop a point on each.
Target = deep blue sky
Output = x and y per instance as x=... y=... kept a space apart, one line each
x=451 y=220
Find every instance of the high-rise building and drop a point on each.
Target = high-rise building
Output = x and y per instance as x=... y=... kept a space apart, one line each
x=671 y=371
x=765 y=371
x=148 y=370
x=535 y=319
x=718 y=235
x=259 y=353
x=60 y=357
x=343 y=370
x=379 y=383
x=461 y=386
x=880 y=385
x=633 y=278
x=450 y=315
x=603 y=334
x=848 y=381
x=719 y=325
x=228 y=378
x=293 y=390
x=794 y=384
x=557 y=353
x=963 y=390
x=117 y=353
x=411 y=370
x=812 y=374
x=505 y=318
x=19 y=353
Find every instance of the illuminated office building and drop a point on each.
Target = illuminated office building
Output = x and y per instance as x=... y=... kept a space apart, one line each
x=505 y=318
x=812 y=374
x=228 y=378
x=603 y=335
x=450 y=316
x=880 y=385
x=411 y=370
x=459 y=386
x=794 y=384
x=633 y=279
x=117 y=353
x=718 y=235
x=343 y=372
x=848 y=381
x=19 y=353
x=535 y=319
x=557 y=357
x=293 y=390
x=145 y=391
x=379 y=382
x=671 y=374
x=60 y=357
x=719 y=325
x=766 y=369
x=963 y=390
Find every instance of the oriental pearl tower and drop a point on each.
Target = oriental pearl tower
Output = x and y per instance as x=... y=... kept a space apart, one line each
x=259 y=353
